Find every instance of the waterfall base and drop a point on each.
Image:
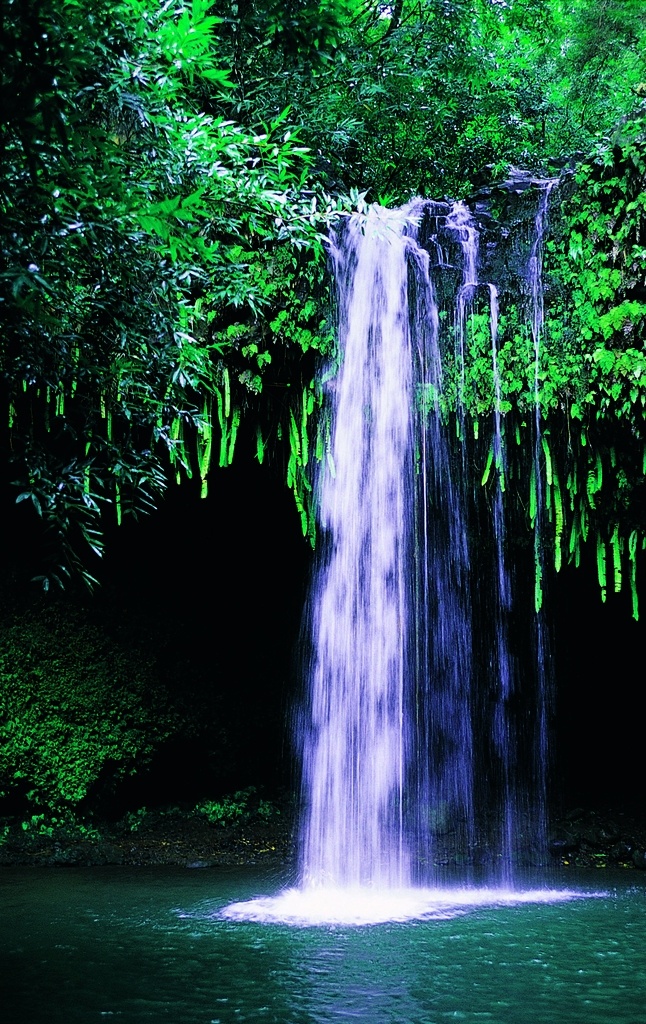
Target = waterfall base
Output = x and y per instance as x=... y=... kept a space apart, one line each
x=365 y=906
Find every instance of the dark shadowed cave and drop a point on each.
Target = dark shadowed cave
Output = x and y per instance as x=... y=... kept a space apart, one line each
x=217 y=587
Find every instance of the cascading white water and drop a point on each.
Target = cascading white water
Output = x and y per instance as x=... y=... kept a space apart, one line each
x=354 y=746
x=387 y=736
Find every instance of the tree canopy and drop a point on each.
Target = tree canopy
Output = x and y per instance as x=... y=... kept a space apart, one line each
x=171 y=171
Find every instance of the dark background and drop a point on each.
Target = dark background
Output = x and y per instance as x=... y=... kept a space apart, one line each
x=216 y=587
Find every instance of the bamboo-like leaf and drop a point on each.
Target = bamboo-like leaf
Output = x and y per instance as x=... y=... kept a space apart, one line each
x=86 y=470
x=301 y=510
x=632 y=555
x=304 y=438
x=548 y=460
x=558 y=522
x=489 y=463
x=205 y=444
x=260 y=447
x=227 y=394
x=538 y=581
x=572 y=486
x=601 y=565
x=617 y=545
x=223 y=429
x=117 y=501
x=532 y=496
x=205 y=457
x=574 y=535
x=75 y=363
x=294 y=437
x=235 y=423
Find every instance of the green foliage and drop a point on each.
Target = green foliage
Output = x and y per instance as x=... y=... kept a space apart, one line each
x=63 y=825
x=143 y=817
x=602 y=263
x=75 y=711
x=240 y=808
x=595 y=357
x=170 y=172
x=133 y=820
x=416 y=97
x=139 y=228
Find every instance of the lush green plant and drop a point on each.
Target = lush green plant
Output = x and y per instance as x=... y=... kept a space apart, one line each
x=64 y=825
x=133 y=820
x=76 y=711
x=241 y=808
x=595 y=359
x=166 y=172
x=417 y=96
x=156 y=255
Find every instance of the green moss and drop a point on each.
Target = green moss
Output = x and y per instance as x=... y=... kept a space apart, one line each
x=76 y=710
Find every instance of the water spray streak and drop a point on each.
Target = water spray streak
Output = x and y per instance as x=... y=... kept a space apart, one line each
x=541 y=752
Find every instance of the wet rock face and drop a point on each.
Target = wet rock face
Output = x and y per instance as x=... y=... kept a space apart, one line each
x=504 y=215
x=599 y=838
x=639 y=859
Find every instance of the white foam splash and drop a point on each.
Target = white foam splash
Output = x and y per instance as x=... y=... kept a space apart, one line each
x=365 y=906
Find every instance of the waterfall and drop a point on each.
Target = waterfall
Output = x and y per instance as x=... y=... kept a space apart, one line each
x=409 y=736
x=389 y=746
x=354 y=748
x=503 y=726
x=442 y=756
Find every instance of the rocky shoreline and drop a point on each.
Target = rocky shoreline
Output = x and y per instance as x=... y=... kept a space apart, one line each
x=161 y=841
x=579 y=838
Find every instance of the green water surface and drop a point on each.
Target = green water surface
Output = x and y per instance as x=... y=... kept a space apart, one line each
x=134 y=947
